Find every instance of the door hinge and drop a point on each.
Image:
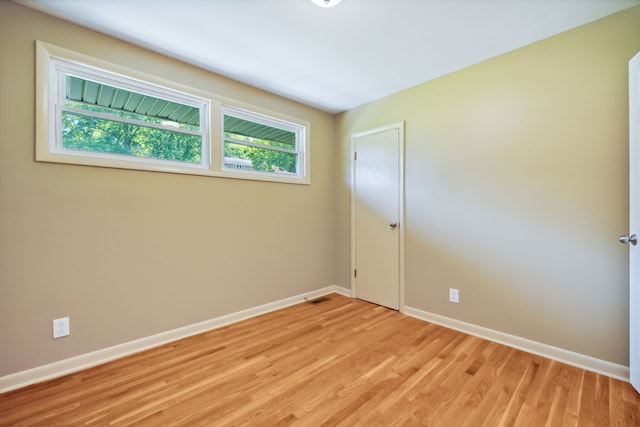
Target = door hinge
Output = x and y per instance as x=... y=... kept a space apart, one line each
x=355 y=273
x=355 y=155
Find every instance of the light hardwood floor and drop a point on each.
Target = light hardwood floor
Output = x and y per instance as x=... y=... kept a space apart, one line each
x=341 y=361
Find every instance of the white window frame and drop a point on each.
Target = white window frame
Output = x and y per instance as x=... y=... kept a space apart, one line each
x=61 y=68
x=271 y=121
x=53 y=63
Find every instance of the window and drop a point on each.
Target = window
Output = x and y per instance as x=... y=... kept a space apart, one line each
x=253 y=142
x=100 y=118
x=100 y=114
x=104 y=118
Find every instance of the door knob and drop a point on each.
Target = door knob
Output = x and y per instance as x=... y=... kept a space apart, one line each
x=393 y=224
x=624 y=239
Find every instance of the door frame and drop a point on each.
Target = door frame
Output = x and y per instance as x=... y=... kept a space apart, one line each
x=634 y=223
x=399 y=126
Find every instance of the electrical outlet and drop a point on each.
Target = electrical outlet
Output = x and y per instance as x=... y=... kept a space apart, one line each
x=454 y=295
x=61 y=327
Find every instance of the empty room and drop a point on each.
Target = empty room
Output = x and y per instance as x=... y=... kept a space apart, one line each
x=319 y=212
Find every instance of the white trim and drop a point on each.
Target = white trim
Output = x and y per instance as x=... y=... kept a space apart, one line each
x=634 y=223
x=589 y=363
x=338 y=290
x=352 y=166
x=98 y=357
x=299 y=129
x=403 y=220
x=56 y=63
x=212 y=161
x=399 y=126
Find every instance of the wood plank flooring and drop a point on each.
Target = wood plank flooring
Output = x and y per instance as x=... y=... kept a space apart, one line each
x=340 y=362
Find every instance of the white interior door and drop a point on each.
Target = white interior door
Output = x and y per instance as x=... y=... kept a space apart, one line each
x=634 y=220
x=377 y=213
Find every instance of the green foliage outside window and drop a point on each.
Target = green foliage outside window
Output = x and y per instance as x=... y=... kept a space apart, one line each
x=105 y=136
x=262 y=159
x=97 y=134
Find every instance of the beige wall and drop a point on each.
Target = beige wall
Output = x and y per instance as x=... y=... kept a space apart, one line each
x=128 y=254
x=516 y=189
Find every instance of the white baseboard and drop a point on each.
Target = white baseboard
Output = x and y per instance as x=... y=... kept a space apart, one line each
x=98 y=357
x=84 y=361
x=599 y=366
x=340 y=290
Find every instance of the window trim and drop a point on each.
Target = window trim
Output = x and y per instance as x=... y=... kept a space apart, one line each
x=48 y=129
x=61 y=68
x=252 y=116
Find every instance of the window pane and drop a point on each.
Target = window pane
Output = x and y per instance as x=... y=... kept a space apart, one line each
x=127 y=115
x=92 y=96
x=95 y=134
x=257 y=133
x=261 y=159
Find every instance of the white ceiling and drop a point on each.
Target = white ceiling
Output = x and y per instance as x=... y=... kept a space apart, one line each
x=338 y=58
